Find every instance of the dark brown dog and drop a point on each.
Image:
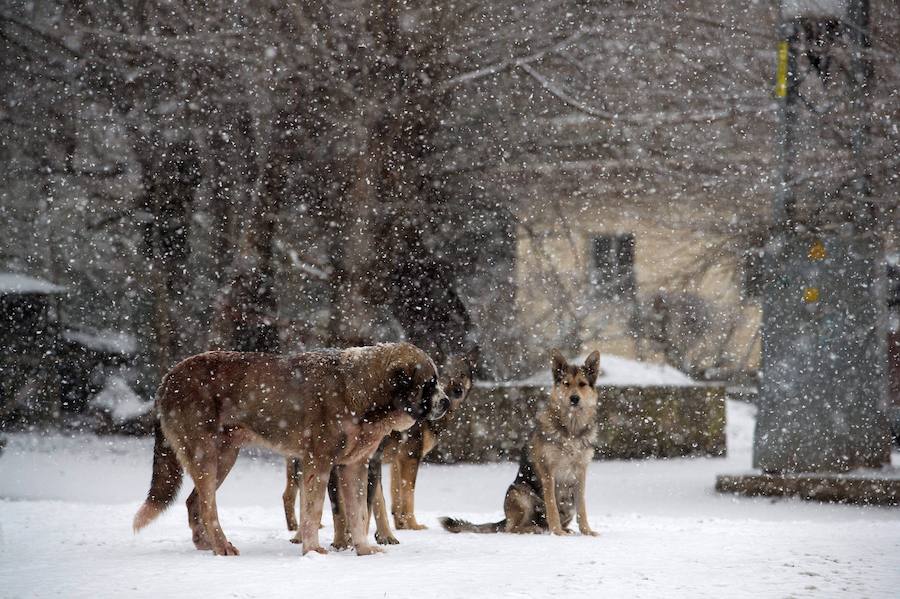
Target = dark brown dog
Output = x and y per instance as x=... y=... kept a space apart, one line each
x=325 y=408
x=404 y=451
x=549 y=488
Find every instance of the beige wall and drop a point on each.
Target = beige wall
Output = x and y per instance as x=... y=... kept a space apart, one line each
x=554 y=294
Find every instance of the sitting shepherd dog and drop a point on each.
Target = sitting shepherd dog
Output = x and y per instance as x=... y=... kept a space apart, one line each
x=549 y=487
x=404 y=451
x=325 y=408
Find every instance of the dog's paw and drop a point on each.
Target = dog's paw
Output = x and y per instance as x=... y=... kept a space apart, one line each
x=404 y=522
x=315 y=549
x=589 y=533
x=340 y=544
x=387 y=540
x=563 y=532
x=226 y=549
x=368 y=550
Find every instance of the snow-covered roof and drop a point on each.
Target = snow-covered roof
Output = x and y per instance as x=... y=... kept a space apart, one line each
x=120 y=400
x=617 y=372
x=15 y=283
x=814 y=8
x=113 y=342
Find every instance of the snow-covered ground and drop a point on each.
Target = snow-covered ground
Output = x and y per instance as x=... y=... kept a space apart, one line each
x=65 y=530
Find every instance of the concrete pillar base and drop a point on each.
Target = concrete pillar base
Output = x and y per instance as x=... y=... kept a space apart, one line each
x=832 y=488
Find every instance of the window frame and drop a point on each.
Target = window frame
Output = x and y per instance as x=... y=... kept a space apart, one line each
x=613 y=278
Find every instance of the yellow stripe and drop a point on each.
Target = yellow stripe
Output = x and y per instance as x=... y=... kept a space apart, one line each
x=781 y=70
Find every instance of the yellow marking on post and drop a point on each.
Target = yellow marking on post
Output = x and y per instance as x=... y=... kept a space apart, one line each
x=781 y=70
x=811 y=295
x=817 y=251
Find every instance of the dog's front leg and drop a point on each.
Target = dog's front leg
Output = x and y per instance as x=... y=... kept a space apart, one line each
x=364 y=438
x=352 y=482
x=583 y=525
x=376 y=503
x=341 y=530
x=548 y=484
x=312 y=499
x=383 y=534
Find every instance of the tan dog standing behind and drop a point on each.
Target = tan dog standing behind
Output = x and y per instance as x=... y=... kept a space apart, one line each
x=324 y=407
x=405 y=450
x=550 y=486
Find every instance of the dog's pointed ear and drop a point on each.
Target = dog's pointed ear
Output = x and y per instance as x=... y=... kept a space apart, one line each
x=558 y=365
x=592 y=367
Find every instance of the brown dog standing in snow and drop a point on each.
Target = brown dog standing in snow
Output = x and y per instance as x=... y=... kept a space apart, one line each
x=326 y=408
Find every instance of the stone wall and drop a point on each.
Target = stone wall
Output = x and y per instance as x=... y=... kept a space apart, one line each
x=635 y=422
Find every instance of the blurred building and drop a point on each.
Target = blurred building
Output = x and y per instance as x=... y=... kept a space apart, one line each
x=48 y=370
x=29 y=345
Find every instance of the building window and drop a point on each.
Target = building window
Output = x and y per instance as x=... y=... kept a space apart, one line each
x=753 y=280
x=612 y=272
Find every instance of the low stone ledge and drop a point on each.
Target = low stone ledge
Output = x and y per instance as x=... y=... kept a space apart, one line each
x=634 y=422
x=830 y=488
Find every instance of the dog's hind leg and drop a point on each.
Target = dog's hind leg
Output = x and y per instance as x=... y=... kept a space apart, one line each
x=202 y=464
x=519 y=508
x=227 y=456
x=198 y=533
x=292 y=487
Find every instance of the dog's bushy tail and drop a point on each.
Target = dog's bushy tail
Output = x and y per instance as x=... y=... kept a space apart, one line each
x=455 y=525
x=164 y=484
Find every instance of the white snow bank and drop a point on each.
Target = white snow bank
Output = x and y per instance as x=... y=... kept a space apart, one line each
x=11 y=282
x=113 y=342
x=120 y=400
x=740 y=420
x=616 y=371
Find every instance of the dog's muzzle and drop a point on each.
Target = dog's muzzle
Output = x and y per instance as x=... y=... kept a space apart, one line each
x=440 y=403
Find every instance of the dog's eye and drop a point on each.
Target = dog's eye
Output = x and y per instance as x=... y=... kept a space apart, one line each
x=582 y=384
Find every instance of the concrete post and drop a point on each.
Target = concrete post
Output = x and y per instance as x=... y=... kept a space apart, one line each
x=823 y=390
